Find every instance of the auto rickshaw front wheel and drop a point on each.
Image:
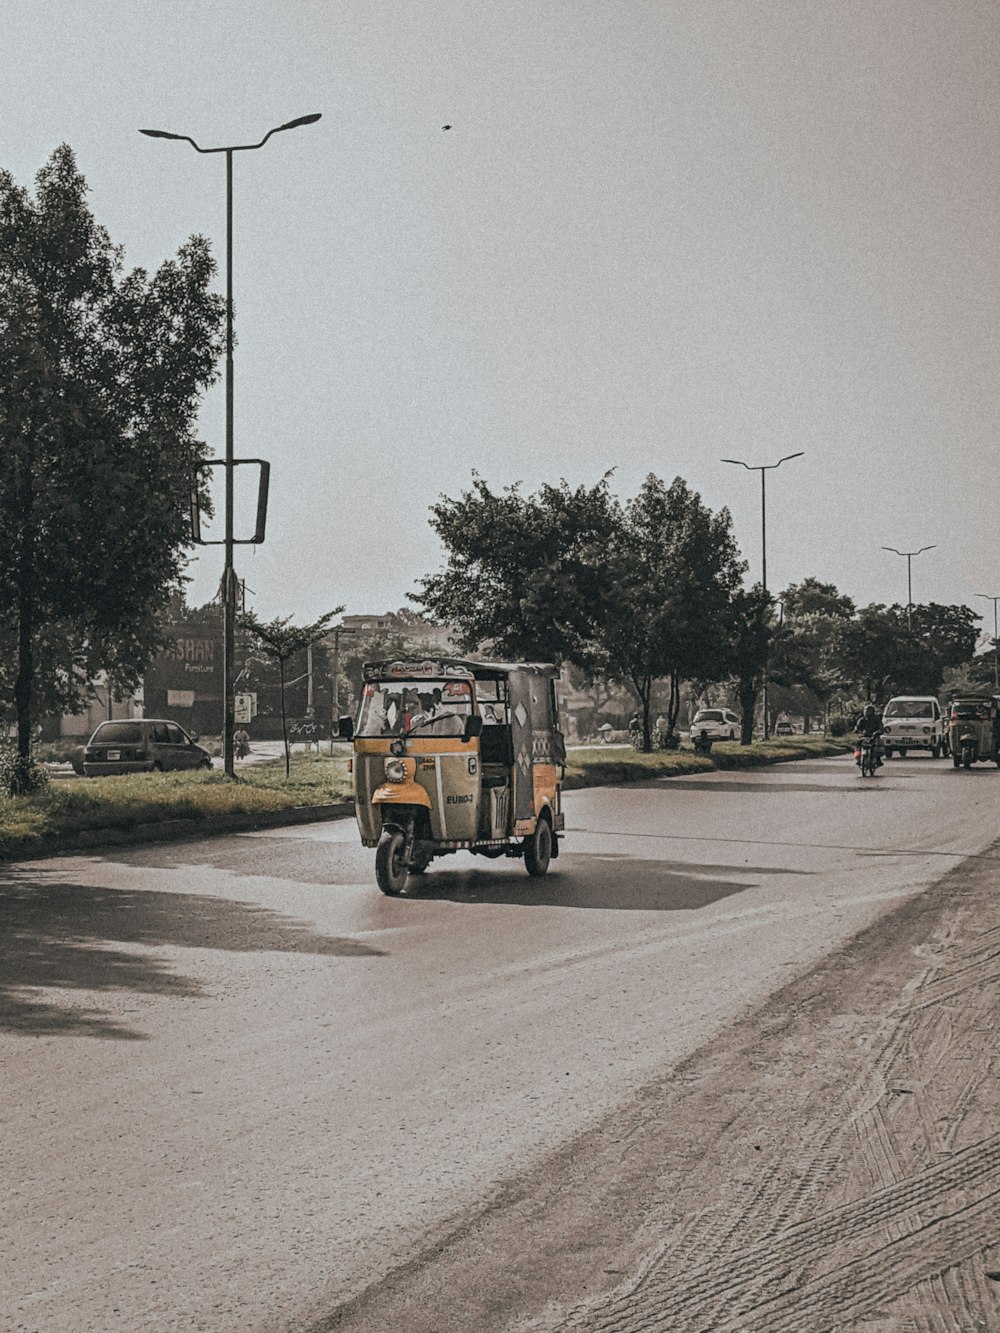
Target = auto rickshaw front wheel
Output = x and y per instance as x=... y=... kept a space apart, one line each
x=538 y=849
x=390 y=868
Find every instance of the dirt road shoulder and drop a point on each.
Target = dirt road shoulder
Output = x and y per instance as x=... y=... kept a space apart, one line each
x=831 y=1162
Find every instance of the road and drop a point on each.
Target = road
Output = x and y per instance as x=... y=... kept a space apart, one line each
x=241 y=1088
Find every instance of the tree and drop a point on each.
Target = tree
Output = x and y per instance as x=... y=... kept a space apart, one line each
x=751 y=626
x=280 y=640
x=525 y=574
x=879 y=654
x=801 y=665
x=100 y=378
x=674 y=569
x=950 y=632
x=635 y=592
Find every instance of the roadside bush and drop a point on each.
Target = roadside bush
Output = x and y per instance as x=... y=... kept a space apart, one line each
x=20 y=776
x=838 y=726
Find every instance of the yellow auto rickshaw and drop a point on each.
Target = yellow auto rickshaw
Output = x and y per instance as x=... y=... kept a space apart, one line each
x=974 y=729
x=453 y=755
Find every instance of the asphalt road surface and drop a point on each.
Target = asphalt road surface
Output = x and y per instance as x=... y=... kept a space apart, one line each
x=241 y=1090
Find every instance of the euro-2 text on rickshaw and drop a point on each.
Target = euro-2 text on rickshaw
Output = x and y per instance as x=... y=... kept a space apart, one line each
x=453 y=755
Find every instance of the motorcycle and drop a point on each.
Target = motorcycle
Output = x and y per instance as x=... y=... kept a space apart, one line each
x=866 y=755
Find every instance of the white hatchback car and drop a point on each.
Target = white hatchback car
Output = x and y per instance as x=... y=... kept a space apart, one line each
x=717 y=724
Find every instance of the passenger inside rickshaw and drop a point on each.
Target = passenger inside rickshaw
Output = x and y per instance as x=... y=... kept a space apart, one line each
x=415 y=708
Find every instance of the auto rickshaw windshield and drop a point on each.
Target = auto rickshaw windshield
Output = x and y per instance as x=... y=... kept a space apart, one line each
x=420 y=707
x=971 y=712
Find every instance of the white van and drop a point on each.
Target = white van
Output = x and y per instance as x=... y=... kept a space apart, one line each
x=914 y=722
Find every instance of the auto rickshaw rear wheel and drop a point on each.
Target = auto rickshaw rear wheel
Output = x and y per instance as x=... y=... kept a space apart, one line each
x=538 y=849
x=390 y=868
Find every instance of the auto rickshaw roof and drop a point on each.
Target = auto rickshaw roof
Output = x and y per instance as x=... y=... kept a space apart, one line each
x=437 y=667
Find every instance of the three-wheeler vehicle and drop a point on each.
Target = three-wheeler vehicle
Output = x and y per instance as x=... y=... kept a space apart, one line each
x=453 y=755
x=974 y=729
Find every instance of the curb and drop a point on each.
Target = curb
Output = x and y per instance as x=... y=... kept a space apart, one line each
x=177 y=830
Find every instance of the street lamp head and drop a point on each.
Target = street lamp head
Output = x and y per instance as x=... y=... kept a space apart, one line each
x=738 y=462
x=788 y=456
x=161 y=134
x=301 y=120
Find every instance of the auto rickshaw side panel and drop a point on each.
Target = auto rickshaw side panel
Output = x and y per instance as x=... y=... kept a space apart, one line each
x=450 y=772
x=447 y=769
x=539 y=749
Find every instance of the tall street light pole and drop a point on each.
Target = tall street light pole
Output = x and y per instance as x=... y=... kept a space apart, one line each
x=763 y=469
x=909 y=578
x=229 y=581
x=996 y=664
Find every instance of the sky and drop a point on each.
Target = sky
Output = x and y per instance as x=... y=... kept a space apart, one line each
x=658 y=233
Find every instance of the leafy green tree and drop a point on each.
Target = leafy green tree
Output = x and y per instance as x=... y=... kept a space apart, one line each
x=101 y=372
x=950 y=632
x=525 y=575
x=878 y=654
x=801 y=665
x=671 y=571
x=751 y=628
x=634 y=592
x=280 y=640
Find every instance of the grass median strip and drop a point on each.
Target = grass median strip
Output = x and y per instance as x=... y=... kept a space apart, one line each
x=29 y=824
x=33 y=825
x=601 y=767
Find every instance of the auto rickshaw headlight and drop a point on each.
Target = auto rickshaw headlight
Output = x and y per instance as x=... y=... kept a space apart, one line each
x=395 y=770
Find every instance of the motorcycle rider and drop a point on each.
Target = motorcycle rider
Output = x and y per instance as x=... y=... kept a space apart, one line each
x=870 y=724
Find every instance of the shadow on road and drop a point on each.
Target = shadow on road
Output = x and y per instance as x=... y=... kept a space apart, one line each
x=617 y=883
x=56 y=935
x=259 y=856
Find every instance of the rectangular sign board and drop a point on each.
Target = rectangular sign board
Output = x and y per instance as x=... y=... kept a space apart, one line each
x=301 y=729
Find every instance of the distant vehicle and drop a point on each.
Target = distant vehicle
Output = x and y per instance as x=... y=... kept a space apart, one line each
x=974 y=726
x=784 y=729
x=142 y=745
x=717 y=724
x=914 y=722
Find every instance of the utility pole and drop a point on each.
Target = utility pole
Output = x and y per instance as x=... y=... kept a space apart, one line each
x=335 y=683
x=229 y=577
x=909 y=579
x=996 y=664
x=763 y=469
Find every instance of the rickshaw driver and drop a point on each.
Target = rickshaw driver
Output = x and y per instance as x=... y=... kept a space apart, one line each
x=435 y=719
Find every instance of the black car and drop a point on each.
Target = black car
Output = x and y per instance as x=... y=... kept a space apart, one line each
x=142 y=745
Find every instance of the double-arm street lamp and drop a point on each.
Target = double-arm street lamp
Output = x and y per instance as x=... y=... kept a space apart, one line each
x=909 y=577
x=996 y=664
x=763 y=469
x=229 y=588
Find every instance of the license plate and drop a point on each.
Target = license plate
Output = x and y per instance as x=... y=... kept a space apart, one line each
x=114 y=754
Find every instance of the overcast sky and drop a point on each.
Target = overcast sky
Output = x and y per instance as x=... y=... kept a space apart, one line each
x=658 y=233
